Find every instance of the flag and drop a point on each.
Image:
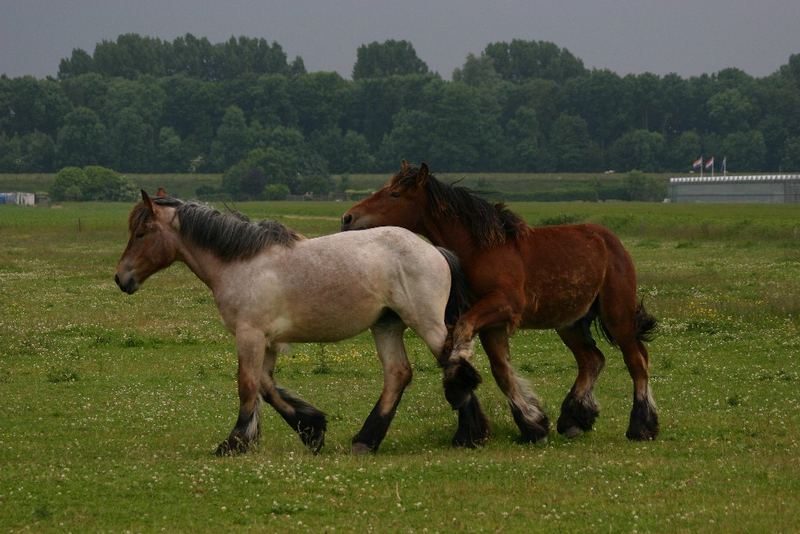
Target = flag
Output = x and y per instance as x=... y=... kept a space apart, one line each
x=698 y=163
x=710 y=162
x=725 y=164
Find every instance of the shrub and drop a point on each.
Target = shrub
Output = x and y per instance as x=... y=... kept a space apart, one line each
x=92 y=183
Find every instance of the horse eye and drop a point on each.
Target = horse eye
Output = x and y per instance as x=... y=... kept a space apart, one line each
x=139 y=235
x=394 y=194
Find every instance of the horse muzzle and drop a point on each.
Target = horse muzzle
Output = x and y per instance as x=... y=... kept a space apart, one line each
x=353 y=222
x=129 y=286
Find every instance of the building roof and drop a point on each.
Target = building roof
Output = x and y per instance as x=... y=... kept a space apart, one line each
x=735 y=179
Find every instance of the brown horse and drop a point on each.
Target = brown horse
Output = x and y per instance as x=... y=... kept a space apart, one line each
x=560 y=277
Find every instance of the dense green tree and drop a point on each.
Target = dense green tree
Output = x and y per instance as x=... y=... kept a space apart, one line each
x=571 y=147
x=348 y=152
x=130 y=142
x=645 y=100
x=146 y=104
x=320 y=99
x=683 y=151
x=790 y=162
x=477 y=71
x=730 y=111
x=638 y=149
x=602 y=100
x=524 y=140
x=745 y=151
x=79 y=63
x=390 y=58
x=29 y=105
x=171 y=156
x=522 y=60
x=37 y=152
x=82 y=139
x=409 y=139
x=87 y=90
x=375 y=101
x=233 y=139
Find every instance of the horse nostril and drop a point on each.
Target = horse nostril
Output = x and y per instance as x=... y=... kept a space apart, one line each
x=347 y=219
x=116 y=279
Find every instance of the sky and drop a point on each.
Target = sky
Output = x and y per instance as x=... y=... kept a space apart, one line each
x=625 y=36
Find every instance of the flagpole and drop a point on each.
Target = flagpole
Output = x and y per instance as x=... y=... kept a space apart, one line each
x=701 y=166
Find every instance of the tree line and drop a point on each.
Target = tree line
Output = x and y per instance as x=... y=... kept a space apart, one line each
x=142 y=104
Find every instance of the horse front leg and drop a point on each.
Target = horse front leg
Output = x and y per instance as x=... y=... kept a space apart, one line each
x=396 y=376
x=305 y=419
x=495 y=316
x=250 y=346
x=460 y=378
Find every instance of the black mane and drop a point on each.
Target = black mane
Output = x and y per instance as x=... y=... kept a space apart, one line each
x=231 y=236
x=489 y=224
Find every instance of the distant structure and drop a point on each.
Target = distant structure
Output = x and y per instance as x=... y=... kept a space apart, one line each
x=764 y=188
x=21 y=199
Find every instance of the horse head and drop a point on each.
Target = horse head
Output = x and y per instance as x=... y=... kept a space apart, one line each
x=152 y=245
x=401 y=202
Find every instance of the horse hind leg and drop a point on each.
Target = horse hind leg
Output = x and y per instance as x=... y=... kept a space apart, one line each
x=579 y=409
x=309 y=423
x=644 y=415
x=525 y=407
x=629 y=327
x=388 y=334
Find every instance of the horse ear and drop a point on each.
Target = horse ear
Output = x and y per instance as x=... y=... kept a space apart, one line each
x=422 y=174
x=404 y=166
x=148 y=202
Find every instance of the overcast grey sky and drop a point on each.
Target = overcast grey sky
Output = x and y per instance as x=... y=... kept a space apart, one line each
x=626 y=36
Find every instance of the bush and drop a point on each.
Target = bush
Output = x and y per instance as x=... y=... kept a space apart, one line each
x=69 y=184
x=92 y=183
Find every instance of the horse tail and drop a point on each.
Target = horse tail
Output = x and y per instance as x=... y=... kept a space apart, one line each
x=645 y=323
x=459 y=299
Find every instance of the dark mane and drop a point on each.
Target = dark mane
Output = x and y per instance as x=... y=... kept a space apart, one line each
x=490 y=224
x=231 y=236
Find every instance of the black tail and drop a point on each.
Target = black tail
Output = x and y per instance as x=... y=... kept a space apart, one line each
x=645 y=324
x=459 y=300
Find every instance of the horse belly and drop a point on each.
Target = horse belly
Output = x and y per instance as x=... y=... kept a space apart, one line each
x=547 y=309
x=564 y=280
x=324 y=323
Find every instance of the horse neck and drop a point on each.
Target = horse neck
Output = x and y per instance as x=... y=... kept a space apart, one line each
x=202 y=262
x=450 y=233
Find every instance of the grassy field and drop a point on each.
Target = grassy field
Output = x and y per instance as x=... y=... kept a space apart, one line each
x=528 y=186
x=111 y=405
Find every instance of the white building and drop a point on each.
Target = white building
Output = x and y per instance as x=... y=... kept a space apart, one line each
x=766 y=188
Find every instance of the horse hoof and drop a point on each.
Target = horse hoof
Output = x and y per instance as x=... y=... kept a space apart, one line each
x=231 y=447
x=360 y=449
x=572 y=432
x=642 y=434
x=469 y=442
x=314 y=439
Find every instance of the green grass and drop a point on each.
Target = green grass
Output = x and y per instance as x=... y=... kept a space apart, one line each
x=111 y=405
x=507 y=185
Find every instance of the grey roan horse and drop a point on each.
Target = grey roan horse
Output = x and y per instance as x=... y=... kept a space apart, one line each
x=272 y=286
